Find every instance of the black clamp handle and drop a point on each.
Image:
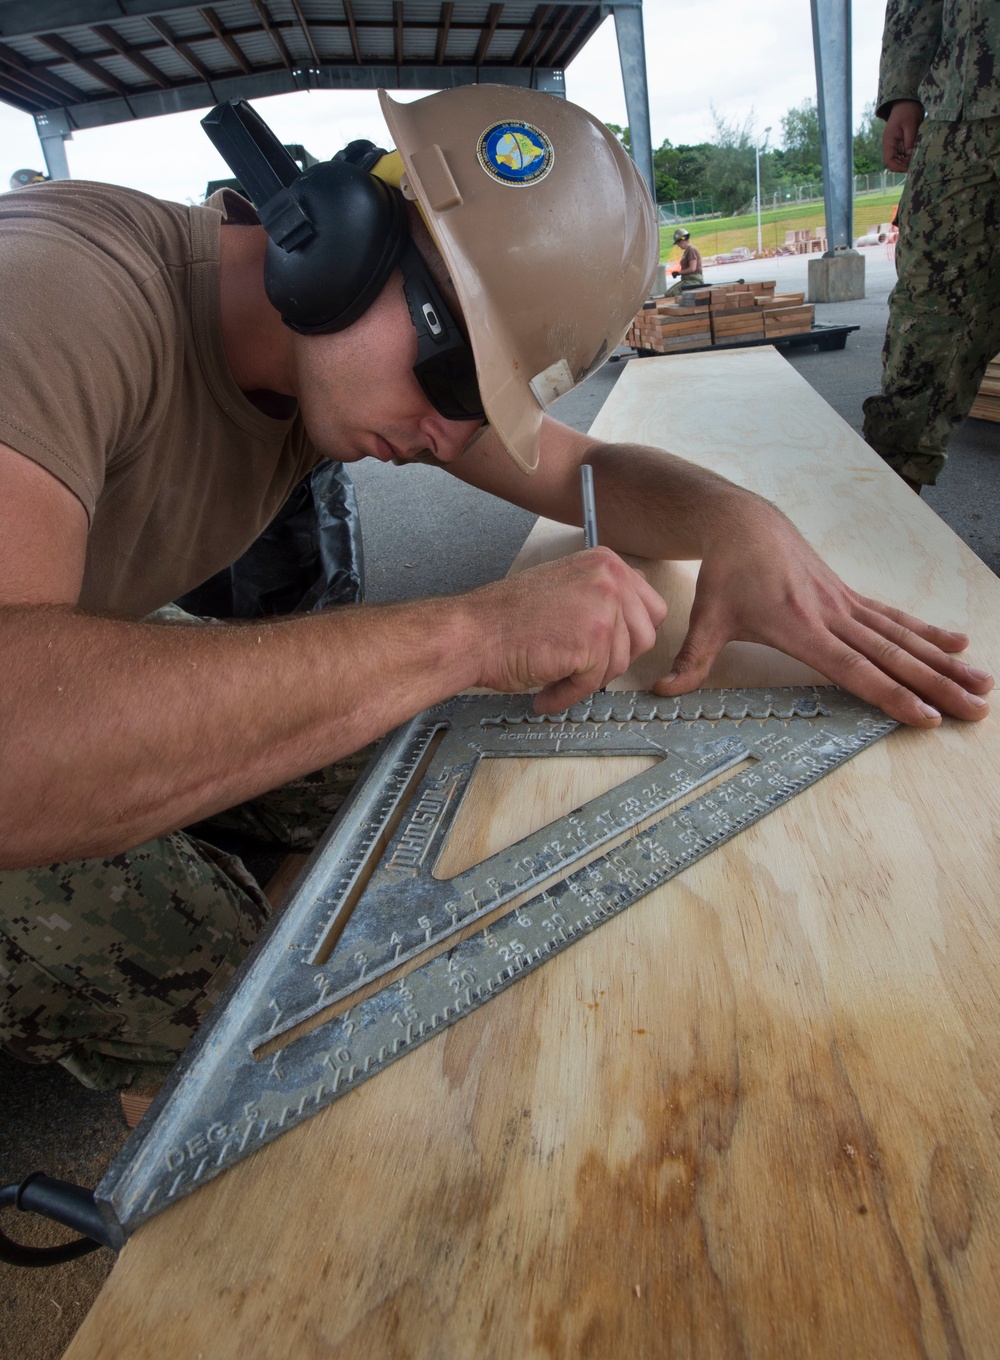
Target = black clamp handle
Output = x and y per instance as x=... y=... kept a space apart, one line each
x=72 y=1205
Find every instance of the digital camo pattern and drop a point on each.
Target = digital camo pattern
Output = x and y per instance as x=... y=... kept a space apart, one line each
x=944 y=312
x=108 y=966
x=944 y=53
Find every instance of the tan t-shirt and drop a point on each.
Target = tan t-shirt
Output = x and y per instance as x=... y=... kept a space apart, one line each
x=113 y=376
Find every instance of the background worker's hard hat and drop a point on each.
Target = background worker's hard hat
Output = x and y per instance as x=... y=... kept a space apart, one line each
x=20 y=179
x=681 y=235
x=548 y=232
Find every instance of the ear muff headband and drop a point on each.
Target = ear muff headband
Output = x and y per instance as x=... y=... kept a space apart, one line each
x=335 y=230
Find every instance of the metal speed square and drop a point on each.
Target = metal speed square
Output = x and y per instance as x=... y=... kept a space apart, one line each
x=285 y=1040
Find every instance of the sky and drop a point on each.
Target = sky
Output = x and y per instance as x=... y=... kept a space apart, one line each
x=745 y=61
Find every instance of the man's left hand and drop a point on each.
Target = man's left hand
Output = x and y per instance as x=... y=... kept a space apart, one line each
x=782 y=594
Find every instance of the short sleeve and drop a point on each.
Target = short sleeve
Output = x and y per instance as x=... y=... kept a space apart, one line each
x=78 y=341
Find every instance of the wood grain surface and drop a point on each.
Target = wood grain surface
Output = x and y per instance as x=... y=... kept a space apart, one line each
x=757 y=1115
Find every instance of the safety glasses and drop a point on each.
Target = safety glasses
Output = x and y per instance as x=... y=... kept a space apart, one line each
x=445 y=367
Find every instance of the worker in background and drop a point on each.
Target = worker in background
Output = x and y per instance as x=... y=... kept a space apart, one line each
x=688 y=272
x=21 y=178
x=939 y=93
x=169 y=374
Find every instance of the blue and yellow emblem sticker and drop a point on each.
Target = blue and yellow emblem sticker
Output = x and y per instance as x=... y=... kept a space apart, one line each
x=515 y=153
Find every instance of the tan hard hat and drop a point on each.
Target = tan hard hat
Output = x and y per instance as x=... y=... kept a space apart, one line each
x=548 y=232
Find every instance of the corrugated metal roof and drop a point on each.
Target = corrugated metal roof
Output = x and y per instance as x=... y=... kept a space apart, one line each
x=109 y=60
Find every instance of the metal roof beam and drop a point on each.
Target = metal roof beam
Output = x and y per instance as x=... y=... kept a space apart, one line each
x=530 y=34
x=118 y=44
x=39 y=75
x=552 y=39
x=444 y=24
x=29 y=17
x=199 y=95
x=296 y=6
x=23 y=17
x=227 y=40
x=489 y=28
x=64 y=50
x=554 y=57
x=272 y=31
x=181 y=48
x=353 y=29
x=17 y=91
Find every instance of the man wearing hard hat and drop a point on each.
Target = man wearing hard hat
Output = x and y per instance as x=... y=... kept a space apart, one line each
x=170 y=373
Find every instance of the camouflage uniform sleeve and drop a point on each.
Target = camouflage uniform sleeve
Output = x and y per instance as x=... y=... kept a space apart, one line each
x=910 y=39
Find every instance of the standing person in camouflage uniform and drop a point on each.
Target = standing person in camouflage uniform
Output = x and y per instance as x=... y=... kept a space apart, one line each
x=939 y=93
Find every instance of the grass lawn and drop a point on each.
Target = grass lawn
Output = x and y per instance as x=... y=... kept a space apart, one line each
x=720 y=235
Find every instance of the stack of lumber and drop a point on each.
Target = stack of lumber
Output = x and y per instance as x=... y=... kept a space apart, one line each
x=772 y=300
x=787 y=314
x=806 y=242
x=664 y=325
x=987 y=404
x=727 y=314
x=735 y=314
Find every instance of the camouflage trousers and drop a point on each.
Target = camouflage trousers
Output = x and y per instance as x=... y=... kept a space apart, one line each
x=108 y=966
x=944 y=312
x=684 y=282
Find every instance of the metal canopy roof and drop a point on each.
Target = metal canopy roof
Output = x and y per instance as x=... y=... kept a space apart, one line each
x=76 y=64
x=105 y=61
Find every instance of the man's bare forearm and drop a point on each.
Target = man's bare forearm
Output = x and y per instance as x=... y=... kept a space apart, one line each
x=112 y=732
x=650 y=503
x=654 y=504
x=115 y=731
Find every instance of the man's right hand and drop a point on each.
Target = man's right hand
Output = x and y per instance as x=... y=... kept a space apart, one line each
x=565 y=627
x=900 y=134
x=114 y=731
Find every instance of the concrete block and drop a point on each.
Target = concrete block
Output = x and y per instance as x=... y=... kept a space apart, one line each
x=837 y=278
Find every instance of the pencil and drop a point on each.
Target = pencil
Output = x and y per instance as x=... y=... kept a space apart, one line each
x=589 y=506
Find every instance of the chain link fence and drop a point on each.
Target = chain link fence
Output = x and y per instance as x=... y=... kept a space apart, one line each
x=879 y=183
x=676 y=210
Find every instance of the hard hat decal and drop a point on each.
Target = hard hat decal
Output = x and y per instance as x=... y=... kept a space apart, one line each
x=515 y=153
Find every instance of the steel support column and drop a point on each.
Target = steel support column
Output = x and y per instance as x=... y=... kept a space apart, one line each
x=632 y=55
x=54 y=132
x=831 y=23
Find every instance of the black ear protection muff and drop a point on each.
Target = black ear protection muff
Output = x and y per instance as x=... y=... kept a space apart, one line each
x=335 y=231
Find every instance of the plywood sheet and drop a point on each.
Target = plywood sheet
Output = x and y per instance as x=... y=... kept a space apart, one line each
x=755 y=1116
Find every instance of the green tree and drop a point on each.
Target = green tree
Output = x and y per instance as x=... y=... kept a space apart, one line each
x=678 y=170
x=730 y=164
x=868 y=143
x=664 y=160
x=681 y=169
x=800 y=136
